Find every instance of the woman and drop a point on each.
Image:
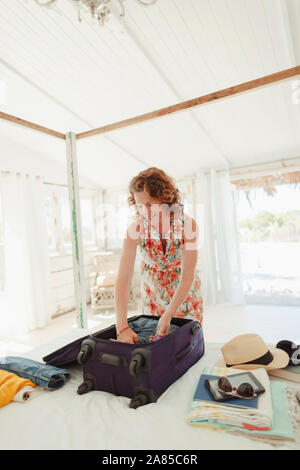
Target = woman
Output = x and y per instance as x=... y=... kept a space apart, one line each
x=167 y=238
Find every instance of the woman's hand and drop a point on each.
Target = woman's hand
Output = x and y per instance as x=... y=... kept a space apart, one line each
x=163 y=326
x=128 y=336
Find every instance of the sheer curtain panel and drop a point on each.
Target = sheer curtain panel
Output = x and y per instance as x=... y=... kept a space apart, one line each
x=219 y=251
x=24 y=303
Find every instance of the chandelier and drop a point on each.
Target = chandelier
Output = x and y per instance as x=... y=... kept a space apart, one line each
x=98 y=9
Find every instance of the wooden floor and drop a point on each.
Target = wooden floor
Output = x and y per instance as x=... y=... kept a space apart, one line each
x=221 y=323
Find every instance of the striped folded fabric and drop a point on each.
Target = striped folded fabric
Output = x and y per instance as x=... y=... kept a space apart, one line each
x=285 y=421
x=254 y=419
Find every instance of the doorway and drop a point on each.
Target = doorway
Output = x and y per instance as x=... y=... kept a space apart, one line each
x=268 y=212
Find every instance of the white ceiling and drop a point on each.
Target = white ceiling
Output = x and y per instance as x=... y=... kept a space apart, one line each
x=76 y=76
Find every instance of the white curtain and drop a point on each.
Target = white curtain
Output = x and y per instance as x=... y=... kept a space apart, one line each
x=24 y=304
x=219 y=258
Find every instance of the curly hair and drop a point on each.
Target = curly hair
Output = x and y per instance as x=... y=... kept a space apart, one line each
x=157 y=184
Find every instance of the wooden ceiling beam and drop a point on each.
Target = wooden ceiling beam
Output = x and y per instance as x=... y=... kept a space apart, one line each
x=31 y=125
x=185 y=105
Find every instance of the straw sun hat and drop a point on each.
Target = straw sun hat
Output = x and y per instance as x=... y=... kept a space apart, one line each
x=250 y=352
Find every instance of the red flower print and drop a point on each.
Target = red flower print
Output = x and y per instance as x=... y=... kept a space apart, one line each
x=162 y=274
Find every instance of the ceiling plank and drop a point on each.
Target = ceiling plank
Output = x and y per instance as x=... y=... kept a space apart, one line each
x=151 y=59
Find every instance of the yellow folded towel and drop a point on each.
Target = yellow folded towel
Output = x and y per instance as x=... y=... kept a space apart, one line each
x=10 y=384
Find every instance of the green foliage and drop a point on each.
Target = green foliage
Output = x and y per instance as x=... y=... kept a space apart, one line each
x=267 y=226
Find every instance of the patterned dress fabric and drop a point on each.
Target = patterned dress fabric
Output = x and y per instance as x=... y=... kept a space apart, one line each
x=161 y=270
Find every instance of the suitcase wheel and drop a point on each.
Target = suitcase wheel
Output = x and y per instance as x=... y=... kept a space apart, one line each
x=196 y=329
x=139 y=400
x=85 y=387
x=140 y=361
x=86 y=350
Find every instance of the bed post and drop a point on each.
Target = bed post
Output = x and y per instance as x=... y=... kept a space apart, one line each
x=77 y=247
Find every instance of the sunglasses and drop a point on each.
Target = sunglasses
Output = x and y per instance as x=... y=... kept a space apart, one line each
x=244 y=390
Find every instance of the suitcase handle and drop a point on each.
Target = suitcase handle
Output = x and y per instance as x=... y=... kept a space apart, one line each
x=112 y=359
x=185 y=353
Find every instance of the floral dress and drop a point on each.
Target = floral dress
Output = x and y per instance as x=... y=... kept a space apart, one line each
x=161 y=271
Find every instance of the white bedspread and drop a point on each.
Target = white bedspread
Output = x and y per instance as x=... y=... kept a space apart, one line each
x=99 y=420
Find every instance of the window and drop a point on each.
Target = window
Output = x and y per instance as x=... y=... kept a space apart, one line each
x=88 y=220
x=65 y=220
x=57 y=209
x=187 y=194
x=269 y=232
x=116 y=218
x=50 y=219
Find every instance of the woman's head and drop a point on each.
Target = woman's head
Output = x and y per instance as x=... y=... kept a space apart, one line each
x=152 y=187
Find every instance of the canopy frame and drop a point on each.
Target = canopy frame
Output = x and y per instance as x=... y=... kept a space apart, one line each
x=72 y=165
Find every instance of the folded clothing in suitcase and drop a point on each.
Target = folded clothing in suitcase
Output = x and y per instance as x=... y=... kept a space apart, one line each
x=140 y=371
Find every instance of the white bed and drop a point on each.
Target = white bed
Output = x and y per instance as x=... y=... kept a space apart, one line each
x=99 y=420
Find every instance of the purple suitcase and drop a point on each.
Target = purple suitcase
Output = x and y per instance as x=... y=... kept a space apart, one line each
x=141 y=372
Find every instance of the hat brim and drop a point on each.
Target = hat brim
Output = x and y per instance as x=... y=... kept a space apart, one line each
x=280 y=361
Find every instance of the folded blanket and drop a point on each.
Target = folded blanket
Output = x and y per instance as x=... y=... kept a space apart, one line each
x=259 y=419
x=285 y=430
x=10 y=384
x=45 y=376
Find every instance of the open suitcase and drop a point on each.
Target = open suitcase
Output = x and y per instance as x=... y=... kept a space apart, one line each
x=141 y=372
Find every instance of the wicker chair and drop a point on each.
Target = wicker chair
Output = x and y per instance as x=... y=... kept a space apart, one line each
x=103 y=282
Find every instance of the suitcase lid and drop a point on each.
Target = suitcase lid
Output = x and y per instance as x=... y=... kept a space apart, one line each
x=68 y=354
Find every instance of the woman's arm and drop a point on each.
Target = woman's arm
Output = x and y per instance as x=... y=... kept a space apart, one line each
x=123 y=283
x=189 y=261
